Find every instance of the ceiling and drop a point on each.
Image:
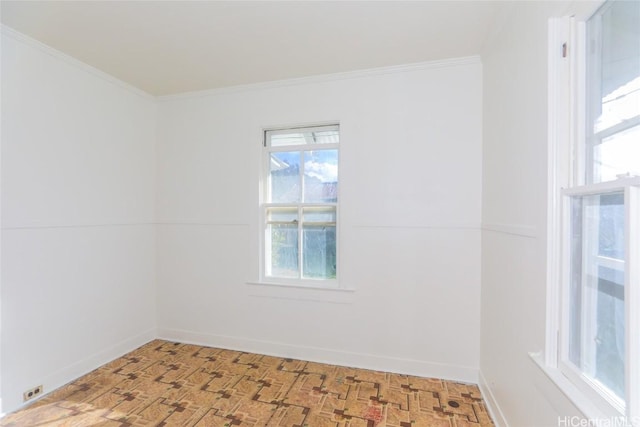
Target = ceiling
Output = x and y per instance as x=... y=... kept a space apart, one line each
x=168 y=47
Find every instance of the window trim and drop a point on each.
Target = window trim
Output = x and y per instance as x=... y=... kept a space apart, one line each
x=309 y=283
x=632 y=298
x=566 y=131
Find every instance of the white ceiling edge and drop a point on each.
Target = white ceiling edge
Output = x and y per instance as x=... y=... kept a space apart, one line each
x=440 y=63
x=7 y=31
x=167 y=48
x=321 y=78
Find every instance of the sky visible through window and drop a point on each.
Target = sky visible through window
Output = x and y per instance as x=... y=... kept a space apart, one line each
x=320 y=164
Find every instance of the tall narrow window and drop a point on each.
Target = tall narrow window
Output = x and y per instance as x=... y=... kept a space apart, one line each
x=300 y=204
x=600 y=348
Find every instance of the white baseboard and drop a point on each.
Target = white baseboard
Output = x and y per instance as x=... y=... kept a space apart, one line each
x=65 y=375
x=492 y=404
x=322 y=355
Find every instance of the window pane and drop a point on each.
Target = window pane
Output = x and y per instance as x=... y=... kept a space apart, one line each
x=321 y=176
x=319 y=214
x=285 y=177
x=618 y=36
x=284 y=250
x=319 y=252
x=611 y=226
x=613 y=76
x=596 y=344
x=610 y=333
x=319 y=135
x=618 y=154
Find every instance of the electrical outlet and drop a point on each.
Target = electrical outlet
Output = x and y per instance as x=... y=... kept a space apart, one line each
x=32 y=393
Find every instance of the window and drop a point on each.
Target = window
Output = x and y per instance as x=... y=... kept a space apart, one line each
x=300 y=205
x=598 y=214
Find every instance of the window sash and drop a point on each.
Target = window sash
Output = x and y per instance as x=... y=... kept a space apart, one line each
x=632 y=299
x=301 y=209
x=598 y=393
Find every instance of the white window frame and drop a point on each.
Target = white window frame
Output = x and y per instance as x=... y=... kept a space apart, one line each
x=566 y=161
x=265 y=205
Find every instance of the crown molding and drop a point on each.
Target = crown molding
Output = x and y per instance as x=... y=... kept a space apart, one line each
x=323 y=78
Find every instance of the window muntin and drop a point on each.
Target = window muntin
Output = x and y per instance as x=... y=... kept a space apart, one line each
x=300 y=204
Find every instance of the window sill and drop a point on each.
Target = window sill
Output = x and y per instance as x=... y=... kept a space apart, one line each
x=584 y=404
x=301 y=292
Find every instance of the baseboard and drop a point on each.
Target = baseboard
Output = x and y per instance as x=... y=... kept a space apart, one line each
x=63 y=376
x=492 y=404
x=322 y=355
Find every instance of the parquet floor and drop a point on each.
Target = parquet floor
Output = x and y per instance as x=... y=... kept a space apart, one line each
x=171 y=384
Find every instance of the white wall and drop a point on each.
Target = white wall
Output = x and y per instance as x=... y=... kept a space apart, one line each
x=410 y=185
x=78 y=239
x=514 y=214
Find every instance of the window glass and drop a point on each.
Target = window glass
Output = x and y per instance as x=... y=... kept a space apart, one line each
x=618 y=155
x=319 y=248
x=283 y=261
x=597 y=325
x=321 y=176
x=613 y=78
x=285 y=177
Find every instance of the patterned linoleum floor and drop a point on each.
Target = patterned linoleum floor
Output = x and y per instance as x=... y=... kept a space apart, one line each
x=170 y=384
